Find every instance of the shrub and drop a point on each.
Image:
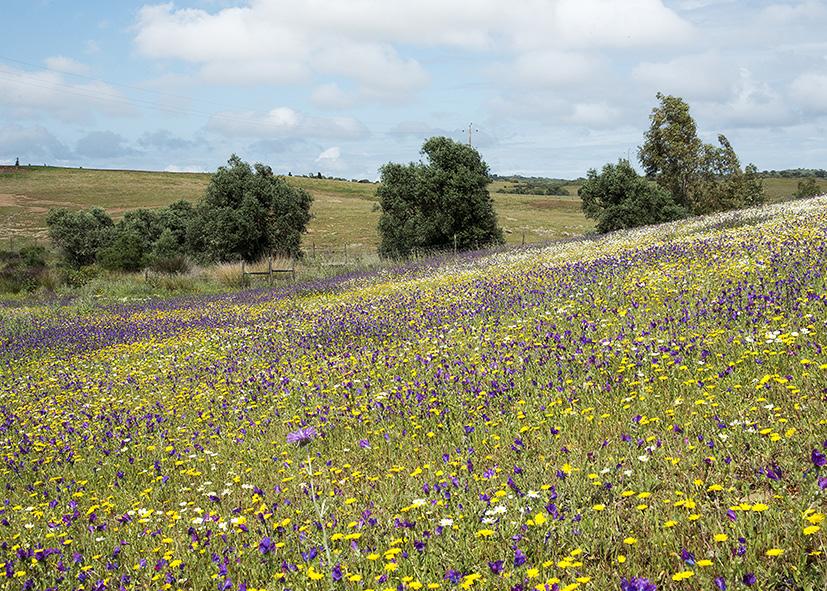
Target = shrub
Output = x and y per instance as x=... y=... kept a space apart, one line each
x=808 y=188
x=24 y=270
x=619 y=198
x=125 y=253
x=79 y=235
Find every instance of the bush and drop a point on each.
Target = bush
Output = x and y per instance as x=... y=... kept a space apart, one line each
x=25 y=270
x=79 y=235
x=167 y=255
x=125 y=253
x=619 y=198
x=427 y=206
x=248 y=213
x=808 y=188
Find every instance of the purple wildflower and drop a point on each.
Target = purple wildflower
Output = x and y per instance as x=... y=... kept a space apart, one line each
x=818 y=458
x=749 y=579
x=637 y=584
x=303 y=436
x=720 y=583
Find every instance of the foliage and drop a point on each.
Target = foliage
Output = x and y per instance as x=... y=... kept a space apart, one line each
x=79 y=235
x=435 y=205
x=23 y=270
x=619 y=198
x=536 y=187
x=168 y=255
x=248 y=212
x=721 y=184
x=808 y=188
x=671 y=149
x=125 y=253
x=701 y=177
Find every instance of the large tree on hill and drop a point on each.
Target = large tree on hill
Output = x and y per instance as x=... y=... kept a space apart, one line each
x=701 y=177
x=671 y=149
x=246 y=213
x=436 y=204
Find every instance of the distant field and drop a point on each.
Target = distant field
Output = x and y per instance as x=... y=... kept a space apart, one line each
x=344 y=212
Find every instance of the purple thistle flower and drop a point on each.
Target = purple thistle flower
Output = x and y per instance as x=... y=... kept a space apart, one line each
x=303 y=436
x=637 y=584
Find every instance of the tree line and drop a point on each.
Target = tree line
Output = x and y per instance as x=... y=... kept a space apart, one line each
x=441 y=202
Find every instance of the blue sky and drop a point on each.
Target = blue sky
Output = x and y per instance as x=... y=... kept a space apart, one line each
x=552 y=87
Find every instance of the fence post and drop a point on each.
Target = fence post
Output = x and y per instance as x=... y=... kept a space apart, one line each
x=314 y=249
x=455 y=245
x=524 y=238
x=293 y=268
x=270 y=269
x=243 y=274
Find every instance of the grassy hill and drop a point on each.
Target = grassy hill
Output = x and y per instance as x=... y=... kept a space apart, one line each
x=344 y=212
x=646 y=404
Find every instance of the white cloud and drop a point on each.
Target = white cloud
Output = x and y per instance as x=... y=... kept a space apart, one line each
x=60 y=63
x=548 y=68
x=704 y=76
x=752 y=104
x=329 y=155
x=331 y=96
x=594 y=114
x=34 y=94
x=282 y=41
x=284 y=122
x=810 y=91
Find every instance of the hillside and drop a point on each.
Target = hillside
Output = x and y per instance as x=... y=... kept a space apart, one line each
x=344 y=211
x=645 y=405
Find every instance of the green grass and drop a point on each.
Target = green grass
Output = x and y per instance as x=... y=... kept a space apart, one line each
x=344 y=212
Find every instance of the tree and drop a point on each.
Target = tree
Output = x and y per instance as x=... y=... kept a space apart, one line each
x=618 y=198
x=248 y=212
x=79 y=235
x=429 y=206
x=808 y=188
x=701 y=177
x=721 y=184
x=167 y=254
x=671 y=148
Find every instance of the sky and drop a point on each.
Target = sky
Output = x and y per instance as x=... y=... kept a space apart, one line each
x=548 y=87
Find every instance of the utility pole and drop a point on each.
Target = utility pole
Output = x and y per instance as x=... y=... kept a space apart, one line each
x=470 y=131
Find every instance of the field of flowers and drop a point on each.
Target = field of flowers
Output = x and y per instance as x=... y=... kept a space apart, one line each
x=642 y=411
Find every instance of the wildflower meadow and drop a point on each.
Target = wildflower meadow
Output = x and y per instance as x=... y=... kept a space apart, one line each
x=645 y=410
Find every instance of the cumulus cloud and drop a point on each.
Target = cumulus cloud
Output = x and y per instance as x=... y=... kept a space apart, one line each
x=35 y=94
x=283 y=41
x=809 y=90
x=284 y=122
x=598 y=114
x=753 y=103
x=704 y=76
x=164 y=140
x=31 y=144
x=104 y=144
